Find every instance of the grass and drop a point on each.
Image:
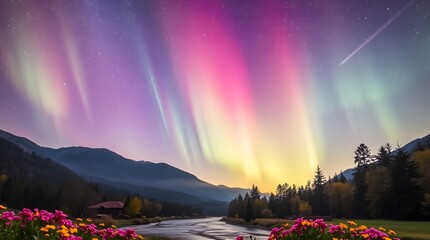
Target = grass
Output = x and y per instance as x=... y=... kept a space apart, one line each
x=406 y=230
x=418 y=230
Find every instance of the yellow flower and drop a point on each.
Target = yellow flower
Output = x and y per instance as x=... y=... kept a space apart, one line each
x=88 y=220
x=391 y=232
x=387 y=238
x=382 y=229
x=362 y=227
x=352 y=223
x=64 y=232
x=343 y=226
x=365 y=235
x=47 y=227
x=334 y=239
x=79 y=219
x=2 y=207
x=101 y=224
x=46 y=235
x=95 y=239
x=306 y=223
x=50 y=226
x=82 y=224
x=113 y=226
x=73 y=230
x=140 y=237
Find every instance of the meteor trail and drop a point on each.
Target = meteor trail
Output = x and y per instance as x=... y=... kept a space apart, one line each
x=376 y=32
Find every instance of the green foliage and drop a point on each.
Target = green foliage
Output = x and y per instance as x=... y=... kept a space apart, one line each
x=378 y=181
x=305 y=209
x=422 y=160
x=405 y=193
x=134 y=207
x=340 y=197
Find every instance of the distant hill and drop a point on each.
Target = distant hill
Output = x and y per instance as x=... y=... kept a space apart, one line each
x=412 y=146
x=156 y=180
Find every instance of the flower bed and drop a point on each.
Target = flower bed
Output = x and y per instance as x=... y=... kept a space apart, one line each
x=318 y=229
x=44 y=225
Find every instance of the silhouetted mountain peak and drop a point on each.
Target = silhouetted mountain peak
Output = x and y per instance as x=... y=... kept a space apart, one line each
x=105 y=166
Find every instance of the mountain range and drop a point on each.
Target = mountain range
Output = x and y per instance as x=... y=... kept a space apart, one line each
x=155 y=180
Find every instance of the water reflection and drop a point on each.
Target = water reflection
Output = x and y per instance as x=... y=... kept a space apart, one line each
x=207 y=228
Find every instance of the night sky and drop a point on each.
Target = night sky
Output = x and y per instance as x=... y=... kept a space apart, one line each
x=235 y=92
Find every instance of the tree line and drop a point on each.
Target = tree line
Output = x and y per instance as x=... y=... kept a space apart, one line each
x=28 y=180
x=392 y=184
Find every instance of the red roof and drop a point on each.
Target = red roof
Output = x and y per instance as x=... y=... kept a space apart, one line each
x=108 y=204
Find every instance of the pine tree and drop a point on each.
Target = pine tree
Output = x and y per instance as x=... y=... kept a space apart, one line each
x=272 y=203
x=319 y=199
x=240 y=206
x=233 y=208
x=362 y=159
x=405 y=193
x=362 y=156
x=249 y=210
x=383 y=156
x=255 y=193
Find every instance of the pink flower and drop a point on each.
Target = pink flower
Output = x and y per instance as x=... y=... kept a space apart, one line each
x=10 y=216
x=319 y=223
x=334 y=229
x=27 y=214
x=45 y=215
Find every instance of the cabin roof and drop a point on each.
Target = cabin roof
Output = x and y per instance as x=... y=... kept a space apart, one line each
x=108 y=204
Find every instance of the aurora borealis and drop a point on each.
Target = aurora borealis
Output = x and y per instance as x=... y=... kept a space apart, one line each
x=235 y=92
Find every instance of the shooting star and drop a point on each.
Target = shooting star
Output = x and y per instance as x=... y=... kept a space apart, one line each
x=377 y=32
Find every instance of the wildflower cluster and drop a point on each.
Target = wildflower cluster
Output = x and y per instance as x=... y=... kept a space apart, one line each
x=318 y=229
x=44 y=225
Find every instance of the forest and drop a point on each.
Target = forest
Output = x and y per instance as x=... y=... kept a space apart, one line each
x=28 y=180
x=392 y=184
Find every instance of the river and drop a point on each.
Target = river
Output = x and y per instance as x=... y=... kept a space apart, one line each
x=203 y=228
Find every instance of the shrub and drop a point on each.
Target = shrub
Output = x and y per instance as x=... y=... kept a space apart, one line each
x=318 y=229
x=45 y=225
